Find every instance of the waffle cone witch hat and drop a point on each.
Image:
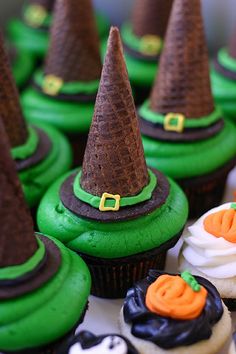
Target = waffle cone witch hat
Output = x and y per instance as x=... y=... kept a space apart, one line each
x=114 y=159
x=74 y=46
x=183 y=83
x=114 y=166
x=25 y=261
x=181 y=106
x=150 y=17
x=10 y=109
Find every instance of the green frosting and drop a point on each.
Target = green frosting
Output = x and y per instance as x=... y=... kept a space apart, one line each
x=17 y=271
x=36 y=179
x=226 y=60
x=71 y=88
x=48 y=313
x=191 y=159
x=95 y=201
x=23 y=67
x=69 y=117
x=114 y=239
x=141 y=73
x=36 y=41
x=28 y=39
x=148 y=114
x=224 y=92
x=23 y=151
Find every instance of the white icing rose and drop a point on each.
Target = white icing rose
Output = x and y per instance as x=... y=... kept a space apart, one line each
x=213 y=256
x=110 y=344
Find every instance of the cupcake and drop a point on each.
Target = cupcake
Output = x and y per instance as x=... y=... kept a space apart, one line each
x=44 y=287
x=64 y=91
x=223 y=78
x=22 y=65
x=184 y=134
x=120 y=216
x=31 y=32
x=87 y=342
x=177 y=314
x=143 y=38
x=41 y=153
x=209 y=250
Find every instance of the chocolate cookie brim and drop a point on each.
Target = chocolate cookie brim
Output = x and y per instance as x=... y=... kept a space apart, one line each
x=140 y=56
x=224 y=71
x=45 y=273
x=43 y=149
x=156 y=131
x=84 y=210
x=79 y=97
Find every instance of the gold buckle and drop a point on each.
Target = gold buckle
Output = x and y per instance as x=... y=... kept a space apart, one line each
x=52 y=85
x=35 y=15
x=150 y=44
x=105 y=196
x=170 y=118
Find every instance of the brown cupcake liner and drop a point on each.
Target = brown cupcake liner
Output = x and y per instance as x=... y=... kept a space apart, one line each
x=206 y=192
x=230 y=303
x=111 y=278
x=53 y=347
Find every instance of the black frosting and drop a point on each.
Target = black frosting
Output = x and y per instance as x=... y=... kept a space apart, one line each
x=166 y=332
x=89 y=340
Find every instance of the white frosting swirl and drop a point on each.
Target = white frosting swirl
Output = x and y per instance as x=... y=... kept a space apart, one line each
x=110 y=344
x=213 y=256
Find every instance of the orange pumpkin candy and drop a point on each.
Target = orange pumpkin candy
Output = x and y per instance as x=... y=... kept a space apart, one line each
x=222 y=224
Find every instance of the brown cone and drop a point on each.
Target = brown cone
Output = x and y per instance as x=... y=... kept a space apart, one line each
x=182 y=84
x=114 y=159
x=74 y=49
x=151 y=17
x=47 y=4
x=17 y=241
x=232 y=45
x=10 y=110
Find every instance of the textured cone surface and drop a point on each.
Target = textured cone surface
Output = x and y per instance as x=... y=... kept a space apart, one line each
x=74 y=46
x=183 y=84
x=17 y=241
x=114 y=159
x=232 y=45
x=47 y=4
x=10 y=110
x=151 y=17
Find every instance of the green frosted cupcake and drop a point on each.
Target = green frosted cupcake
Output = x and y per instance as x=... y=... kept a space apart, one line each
x=223 y=78
x=30 y=33
x=120 y=216
x=44 y=287
x=184 y=134
x=41 y=153
x=143 y=38
x=64 y=90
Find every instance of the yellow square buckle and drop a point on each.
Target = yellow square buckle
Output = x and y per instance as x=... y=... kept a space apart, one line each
x=52 y=85
x=106 y=196
x=174 y=122
x=35 y=15
x=150 y=44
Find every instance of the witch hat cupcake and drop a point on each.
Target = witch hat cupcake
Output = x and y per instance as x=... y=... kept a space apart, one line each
x=143 y=38
x=38 y=276
x=65 y=89
x=114 y=211
x=35 y=149
x=223 y=77
x=184 y=134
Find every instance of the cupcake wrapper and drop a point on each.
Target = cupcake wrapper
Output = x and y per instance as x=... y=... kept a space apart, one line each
x=53 y=347
x=111 y=278
x=206 y=192
x=230 y=303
